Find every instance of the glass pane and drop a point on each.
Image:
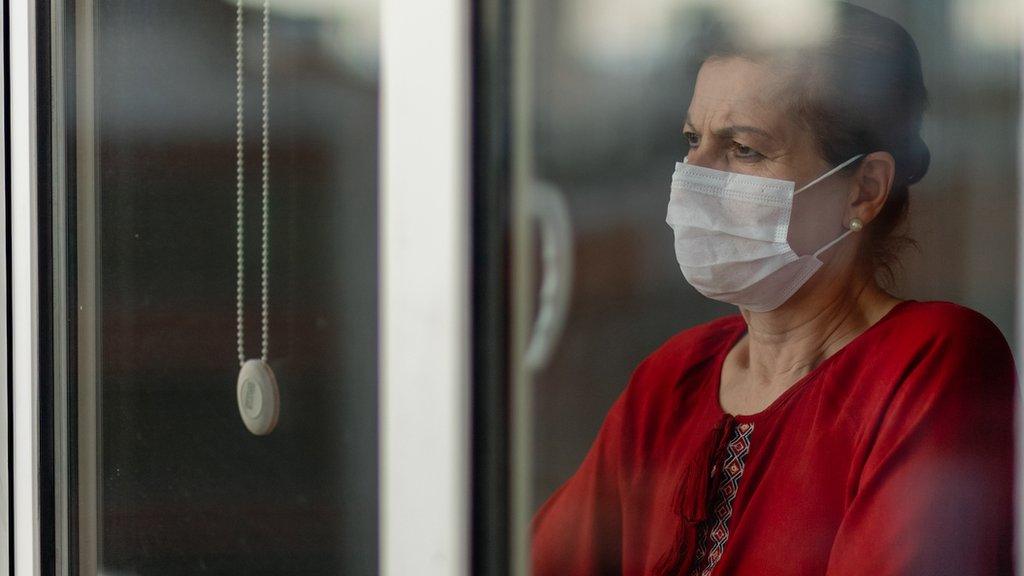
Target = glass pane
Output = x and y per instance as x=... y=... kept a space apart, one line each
x=613 y=83
x=183 y=486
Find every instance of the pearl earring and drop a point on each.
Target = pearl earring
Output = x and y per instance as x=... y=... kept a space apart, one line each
x=856 y=225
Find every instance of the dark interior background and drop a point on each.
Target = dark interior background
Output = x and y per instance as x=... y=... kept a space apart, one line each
x=185 y=488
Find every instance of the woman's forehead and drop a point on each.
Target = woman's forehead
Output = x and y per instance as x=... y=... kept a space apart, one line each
x=738 y=91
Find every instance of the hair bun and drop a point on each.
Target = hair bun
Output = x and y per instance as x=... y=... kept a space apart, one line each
x=918 y=160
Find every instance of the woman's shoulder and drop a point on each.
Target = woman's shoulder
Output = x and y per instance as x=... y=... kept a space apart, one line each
x=938 y=321
x=937 y=368
x=698 y=342
x=670 y=378
x=950 y=343
x=686 y=350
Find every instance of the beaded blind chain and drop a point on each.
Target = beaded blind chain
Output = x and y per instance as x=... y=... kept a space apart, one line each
x=259 y=400
x=240 y=176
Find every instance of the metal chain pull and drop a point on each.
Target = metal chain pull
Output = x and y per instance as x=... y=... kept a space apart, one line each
x=258 y=397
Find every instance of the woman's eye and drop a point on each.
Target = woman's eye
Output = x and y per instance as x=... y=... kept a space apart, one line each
x=692 y=139
x=742 y=151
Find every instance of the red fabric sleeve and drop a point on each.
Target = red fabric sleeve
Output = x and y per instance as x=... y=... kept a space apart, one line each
x=578 y=530
x=934 y=494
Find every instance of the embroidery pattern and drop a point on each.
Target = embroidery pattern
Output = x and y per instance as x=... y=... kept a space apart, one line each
x=714 y=532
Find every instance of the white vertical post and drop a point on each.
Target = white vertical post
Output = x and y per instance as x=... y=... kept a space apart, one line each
x=424 y=288
x=24 y=286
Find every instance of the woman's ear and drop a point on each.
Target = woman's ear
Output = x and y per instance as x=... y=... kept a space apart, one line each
x=871 y=186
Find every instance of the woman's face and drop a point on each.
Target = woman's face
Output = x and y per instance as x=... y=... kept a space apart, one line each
x=739 y=121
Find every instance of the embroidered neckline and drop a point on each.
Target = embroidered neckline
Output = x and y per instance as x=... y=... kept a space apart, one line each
x=713 y=533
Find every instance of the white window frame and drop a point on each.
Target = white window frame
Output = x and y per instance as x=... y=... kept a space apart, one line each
x=24 y=283
x=424 y=283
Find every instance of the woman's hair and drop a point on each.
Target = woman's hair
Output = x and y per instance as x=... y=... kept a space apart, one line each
x=861 y=90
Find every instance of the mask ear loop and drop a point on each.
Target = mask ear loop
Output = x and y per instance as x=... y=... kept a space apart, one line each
x=821 y=250
x=829 y=173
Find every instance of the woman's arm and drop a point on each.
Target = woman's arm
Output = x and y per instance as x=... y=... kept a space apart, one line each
x=578 y=531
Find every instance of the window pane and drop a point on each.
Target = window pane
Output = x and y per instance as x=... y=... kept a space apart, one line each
x=613 y=83
x=183 y=486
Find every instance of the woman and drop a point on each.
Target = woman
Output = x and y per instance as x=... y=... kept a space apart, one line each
x=829 y=428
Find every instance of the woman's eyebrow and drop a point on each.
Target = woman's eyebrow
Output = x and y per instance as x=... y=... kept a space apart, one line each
x=731 y=131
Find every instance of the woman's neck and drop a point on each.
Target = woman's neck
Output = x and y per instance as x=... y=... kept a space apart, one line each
x=783 y=345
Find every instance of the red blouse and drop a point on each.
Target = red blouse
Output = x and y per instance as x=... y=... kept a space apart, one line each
x=894 y=456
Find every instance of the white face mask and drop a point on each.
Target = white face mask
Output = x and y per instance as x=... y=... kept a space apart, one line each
x=731 y=235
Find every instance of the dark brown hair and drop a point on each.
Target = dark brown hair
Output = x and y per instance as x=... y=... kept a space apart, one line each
x=861 y=90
